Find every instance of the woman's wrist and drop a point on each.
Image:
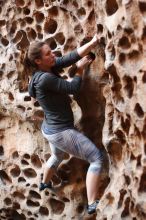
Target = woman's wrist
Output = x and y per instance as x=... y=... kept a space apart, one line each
x=79 y=72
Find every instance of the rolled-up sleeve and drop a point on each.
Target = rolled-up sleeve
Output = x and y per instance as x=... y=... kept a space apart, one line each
x=67 y=60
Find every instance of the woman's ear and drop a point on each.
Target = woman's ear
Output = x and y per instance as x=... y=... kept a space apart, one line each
x=37 y=61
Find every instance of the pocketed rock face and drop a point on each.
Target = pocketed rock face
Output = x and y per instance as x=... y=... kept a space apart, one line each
x=111 y=113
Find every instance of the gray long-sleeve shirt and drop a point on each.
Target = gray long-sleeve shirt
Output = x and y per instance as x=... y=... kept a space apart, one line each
x=52 y=92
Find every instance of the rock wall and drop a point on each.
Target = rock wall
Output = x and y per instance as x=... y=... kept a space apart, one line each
x=111 y=108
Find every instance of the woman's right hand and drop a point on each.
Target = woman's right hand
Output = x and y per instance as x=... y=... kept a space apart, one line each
x=83 y=63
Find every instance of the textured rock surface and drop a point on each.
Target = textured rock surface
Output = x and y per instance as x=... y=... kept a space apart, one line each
x=112 y=108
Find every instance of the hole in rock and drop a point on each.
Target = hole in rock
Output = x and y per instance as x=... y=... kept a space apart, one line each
x=125 y=212
x=113 y=72
x=128 y=85
x=57 y=206
x=23 y=24
x=56 y=180
x=134 y=55
x=38 y=28
x=125 y=124
x=15 y=155
x=119 y=28
x=128 y=30
x=78 y=29
x=39 y=17
x=29 y=213
x=36 y=104
x=50 y=26
x=16 y=216
x=5 y=178
x=2 y=22
x=34 y=194
x=26 y=156
x=81 y=13
x=63 y=175
x=122 y=58
x=142 y=6
x=65 y=199
x=47 y=156
x=39 y=115
x=109 y=35
x=26 y=11
x=35 y=160
x=144 y=34
x=122 y=195
x=132 y=206
x=145 y=148
x=51 y=42
x=7 y=201
x=144 y=77
x=60 y=38
x=27 y=98
x=111 y=7
x=24 y=42
x=142 y=185
x=138 y=161
x=53 y=11
x=99 y=28
x=31 y=34
x=70 y=44
x=43 y=210
x=21 y=179
x=65 y=2
x=110 y=198
x=32 y=203
x=138 y=110
x=30 y=173
x=89 y=3
x=11 y=97
x=24 y=162
x=47 y=193
x=75 y=4
x=29 y=20
x=124 y=43
x=15 y=171
x=18 y=195
x=127 y=180
x=40 y=36
x=91 y=17
x=39 y=3
x=121 y=136
x=21 y=107
x=1 y=150
x=4 y=41
x=80 y=208
x=19 y=3
x=115 y=150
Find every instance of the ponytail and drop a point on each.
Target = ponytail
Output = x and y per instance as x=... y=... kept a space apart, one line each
x=29 y=66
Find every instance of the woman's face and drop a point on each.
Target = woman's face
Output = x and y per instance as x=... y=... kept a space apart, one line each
x=47 y=59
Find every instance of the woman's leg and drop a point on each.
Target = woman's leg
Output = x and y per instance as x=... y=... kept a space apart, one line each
x=75 y=143
x=78 y=145
x=92 y=183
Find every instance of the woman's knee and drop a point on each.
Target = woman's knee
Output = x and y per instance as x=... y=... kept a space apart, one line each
x=96 y=162
x=95 y=167
x=55 y=160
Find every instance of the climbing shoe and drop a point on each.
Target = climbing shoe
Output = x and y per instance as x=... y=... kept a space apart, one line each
x=91 y=209
x=45 y=185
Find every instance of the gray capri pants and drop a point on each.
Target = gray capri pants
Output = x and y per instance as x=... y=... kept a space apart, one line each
x=75 y=143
